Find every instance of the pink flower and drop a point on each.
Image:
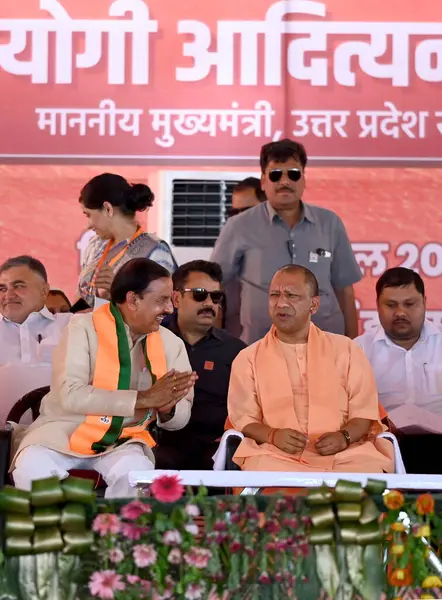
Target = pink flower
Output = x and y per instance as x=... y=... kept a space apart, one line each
x=193 y=592
x=106 y=523
x=172 y=538
x=144 y=556
x=192 y=510
x=104 y=583
x=174 y=556
x=132 y=579
x=134 y=509
x=116 y=555
x=198 y=557
x=167 y=488
x=146 y=585
x=192 y=528
x=165 y=596
x=133 y=532
x=264 y=578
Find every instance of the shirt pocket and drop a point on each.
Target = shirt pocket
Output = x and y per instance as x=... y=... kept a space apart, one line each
x=45 y=350
x=322 y=271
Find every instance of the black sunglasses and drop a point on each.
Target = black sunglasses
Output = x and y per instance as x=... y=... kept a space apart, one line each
x=201 y=294
x=276 y=174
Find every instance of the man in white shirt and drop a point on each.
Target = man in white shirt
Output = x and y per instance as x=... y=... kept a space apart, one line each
x=405 y=352
x=28 y=331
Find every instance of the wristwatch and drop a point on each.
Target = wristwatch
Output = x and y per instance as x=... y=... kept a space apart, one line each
x=346 y=436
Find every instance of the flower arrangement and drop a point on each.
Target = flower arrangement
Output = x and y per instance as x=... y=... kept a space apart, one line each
x=413 y=531
x=149 y=554
x=335 y=543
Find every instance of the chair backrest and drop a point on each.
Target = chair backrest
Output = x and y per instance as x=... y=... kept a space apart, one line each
x=30 y=401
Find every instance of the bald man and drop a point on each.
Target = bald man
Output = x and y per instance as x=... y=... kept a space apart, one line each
x=305 y=399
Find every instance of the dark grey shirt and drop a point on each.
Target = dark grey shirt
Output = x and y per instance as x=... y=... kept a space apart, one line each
x=254 y=245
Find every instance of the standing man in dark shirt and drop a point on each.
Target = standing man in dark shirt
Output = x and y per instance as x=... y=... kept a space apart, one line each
x=197 y=297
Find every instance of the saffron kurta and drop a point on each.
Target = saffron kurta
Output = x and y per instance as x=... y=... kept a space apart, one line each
x=314 y=388
x=73 y=397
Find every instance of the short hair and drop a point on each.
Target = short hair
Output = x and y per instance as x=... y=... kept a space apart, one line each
x=135 y=276
x=25 y=261
x=310 y=278
x=282 y=151
x=181 y=275
x=62 y=294
x=108 y=187
x=399 y=277
x=251 y=183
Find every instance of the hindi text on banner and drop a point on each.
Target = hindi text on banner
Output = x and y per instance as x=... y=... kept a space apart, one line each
x=63 y=27
x=106 y=118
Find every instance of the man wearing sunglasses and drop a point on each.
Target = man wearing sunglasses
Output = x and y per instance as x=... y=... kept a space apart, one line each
x=285 y=230
x=197 y=298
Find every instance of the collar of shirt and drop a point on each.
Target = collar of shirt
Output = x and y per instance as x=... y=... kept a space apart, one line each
x=132 y=342
x=306 y=212
x=44 y=312
x=427 y=330
x=213 y=332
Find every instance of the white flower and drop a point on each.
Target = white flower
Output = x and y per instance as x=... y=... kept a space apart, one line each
x=144 y=556
x=175 y=557
x=192 y=529
x=192 y=510
x=194 y=592
x=116 y=555
x=172 y=538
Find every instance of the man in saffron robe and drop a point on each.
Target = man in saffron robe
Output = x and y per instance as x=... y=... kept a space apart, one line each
x=114 y=372
x=305 y=400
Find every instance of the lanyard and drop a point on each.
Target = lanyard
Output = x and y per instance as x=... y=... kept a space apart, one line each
x=116 y=258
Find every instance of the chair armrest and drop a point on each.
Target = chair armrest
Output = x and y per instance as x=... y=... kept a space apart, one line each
x=220 y=456
x=232 y=443
x=5 y=454
x=399 y=466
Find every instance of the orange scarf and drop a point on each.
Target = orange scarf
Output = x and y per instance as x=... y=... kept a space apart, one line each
x=113 y=372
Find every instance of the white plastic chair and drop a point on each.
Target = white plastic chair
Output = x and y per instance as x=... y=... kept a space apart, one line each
x=219 y=458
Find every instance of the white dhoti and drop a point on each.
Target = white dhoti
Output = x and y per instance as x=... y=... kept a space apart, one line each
x=38 y=462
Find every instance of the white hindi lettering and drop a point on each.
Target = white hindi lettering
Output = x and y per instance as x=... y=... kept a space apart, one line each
x=321 y=123
x=427 y=261
x=273 y=27
x=63 y=26
x=311 y=36
x=370 y=255
x=106 y=118
x=392 y=122
x=438 y=115
x=235 y=121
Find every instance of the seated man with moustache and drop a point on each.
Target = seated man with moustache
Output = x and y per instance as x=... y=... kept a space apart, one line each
x=29 y=332
x=405 y=353
x=305 y=399
x=197 y=297
x=115 y=371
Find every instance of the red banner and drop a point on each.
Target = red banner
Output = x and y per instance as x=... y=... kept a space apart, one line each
x=182 y=82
